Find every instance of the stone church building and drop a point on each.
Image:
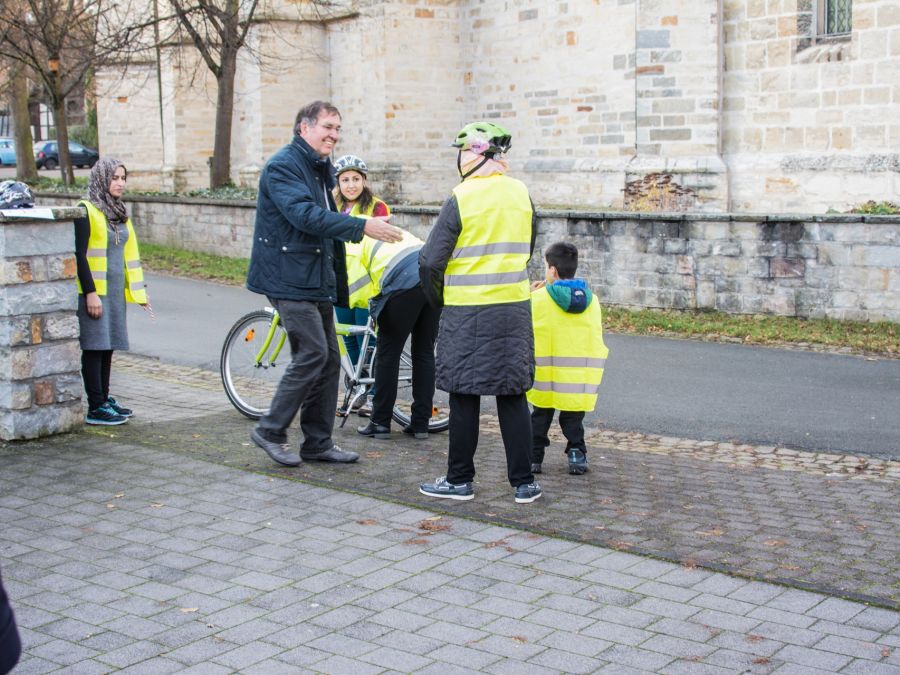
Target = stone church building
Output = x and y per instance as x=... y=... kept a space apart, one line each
x=716 y=105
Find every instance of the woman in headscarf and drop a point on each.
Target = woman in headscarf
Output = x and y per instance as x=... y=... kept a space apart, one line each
x=109 y=275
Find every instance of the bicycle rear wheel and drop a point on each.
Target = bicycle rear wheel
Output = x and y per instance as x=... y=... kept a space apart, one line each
x=250 y=376
x=440 y=408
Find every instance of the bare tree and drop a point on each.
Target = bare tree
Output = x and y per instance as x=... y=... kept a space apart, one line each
x=218 y=30
x=59 y=41
x=25 y=166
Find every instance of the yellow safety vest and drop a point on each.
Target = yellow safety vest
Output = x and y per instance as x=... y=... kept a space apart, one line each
x=377 y=259
x=135 y=288
x=569 y=354
x=488 y=265
x=357 y=275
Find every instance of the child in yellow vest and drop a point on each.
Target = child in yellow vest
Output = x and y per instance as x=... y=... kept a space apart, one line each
x=569 y=356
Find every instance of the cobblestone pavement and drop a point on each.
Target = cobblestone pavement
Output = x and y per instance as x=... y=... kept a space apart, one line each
x=119 y=555
x=818 y=522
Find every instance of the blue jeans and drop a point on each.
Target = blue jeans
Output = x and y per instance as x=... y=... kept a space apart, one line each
x=355 y=317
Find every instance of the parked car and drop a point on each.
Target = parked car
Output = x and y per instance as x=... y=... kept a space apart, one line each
x=7 y=152
x=46 y=155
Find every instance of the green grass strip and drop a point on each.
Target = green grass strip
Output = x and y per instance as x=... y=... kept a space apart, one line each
x=183 y=263
x=855 y=336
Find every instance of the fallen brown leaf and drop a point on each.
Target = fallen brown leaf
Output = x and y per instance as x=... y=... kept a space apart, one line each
x=886 y=652
x=762 y=660
x=416 y=541
x=374 y=454
x=714 y=532
x=367 y=521
x=520 y=639
x=754 y=638
x=775 y=542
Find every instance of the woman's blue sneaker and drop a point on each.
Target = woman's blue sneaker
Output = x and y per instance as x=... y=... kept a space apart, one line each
x=118 y=409
x=105 y=416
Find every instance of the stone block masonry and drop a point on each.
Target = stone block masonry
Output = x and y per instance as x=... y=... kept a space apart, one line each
x=40 y=358
x=840 y=266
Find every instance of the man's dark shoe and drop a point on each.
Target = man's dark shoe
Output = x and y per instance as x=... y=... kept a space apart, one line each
x=104 y=416
x=525 y=494
x=332 y=454
x=536 y=467
x=418 y=435
x=279 y=452
x=441 y=488
x=119 y=409
x=577 y=462
x=378 y=431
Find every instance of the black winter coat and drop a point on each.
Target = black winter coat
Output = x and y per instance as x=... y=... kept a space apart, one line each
x=10 y=644
x=298 y=250
x=483 y=349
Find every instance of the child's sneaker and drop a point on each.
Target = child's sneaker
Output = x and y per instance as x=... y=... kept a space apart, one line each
x=525 y=494
x=105 y=416
x=119 y=409
x=577 y=462
x=441 y=488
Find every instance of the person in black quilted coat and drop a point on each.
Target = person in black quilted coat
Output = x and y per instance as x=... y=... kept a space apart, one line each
x=474 y=265
x=10 y=645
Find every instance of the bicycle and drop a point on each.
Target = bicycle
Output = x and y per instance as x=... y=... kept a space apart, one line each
x=252 y=353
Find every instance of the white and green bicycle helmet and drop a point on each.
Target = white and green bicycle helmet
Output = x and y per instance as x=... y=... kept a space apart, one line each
x=350 y=163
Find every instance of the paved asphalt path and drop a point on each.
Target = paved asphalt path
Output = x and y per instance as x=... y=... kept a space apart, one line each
x=681 y=388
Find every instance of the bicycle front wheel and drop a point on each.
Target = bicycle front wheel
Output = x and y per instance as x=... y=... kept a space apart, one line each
x=402 y=414
x=250 y=374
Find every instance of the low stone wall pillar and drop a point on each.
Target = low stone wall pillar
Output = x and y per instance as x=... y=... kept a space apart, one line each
x=40 y=358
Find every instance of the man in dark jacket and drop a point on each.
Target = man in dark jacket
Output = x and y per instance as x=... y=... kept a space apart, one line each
x=298 y=263
x=474 y=264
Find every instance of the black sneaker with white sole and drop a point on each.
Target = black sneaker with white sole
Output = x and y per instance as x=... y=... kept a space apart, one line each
x=525 y=494
x=441 y=488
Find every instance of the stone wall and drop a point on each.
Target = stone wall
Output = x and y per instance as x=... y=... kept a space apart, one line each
x=40 y=358
x=839 y=266
x=811 y=122
x=711 y=105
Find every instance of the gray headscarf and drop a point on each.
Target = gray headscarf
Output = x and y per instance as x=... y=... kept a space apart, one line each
x=98 y=191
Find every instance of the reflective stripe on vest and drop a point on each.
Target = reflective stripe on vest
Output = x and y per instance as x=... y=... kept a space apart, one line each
x=135 y=288
x=380 y=258
x=488 y=265
x=570 y=355
x=357 y=276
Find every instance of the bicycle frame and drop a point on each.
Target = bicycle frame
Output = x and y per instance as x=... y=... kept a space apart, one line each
x=352 y=373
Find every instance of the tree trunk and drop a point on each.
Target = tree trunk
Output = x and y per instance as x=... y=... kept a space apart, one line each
x=62 y=132
x=26 y=169
x=221 y=162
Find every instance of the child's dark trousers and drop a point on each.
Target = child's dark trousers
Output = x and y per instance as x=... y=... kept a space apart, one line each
x=571 y=423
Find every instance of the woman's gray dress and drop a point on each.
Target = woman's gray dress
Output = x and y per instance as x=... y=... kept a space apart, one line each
x=110 y=331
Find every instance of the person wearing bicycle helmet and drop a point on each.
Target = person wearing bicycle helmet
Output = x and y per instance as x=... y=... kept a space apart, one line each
x=353 y=196
x=474 y=265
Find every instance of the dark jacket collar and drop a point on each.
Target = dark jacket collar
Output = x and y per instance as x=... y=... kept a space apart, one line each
x=321 y=164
